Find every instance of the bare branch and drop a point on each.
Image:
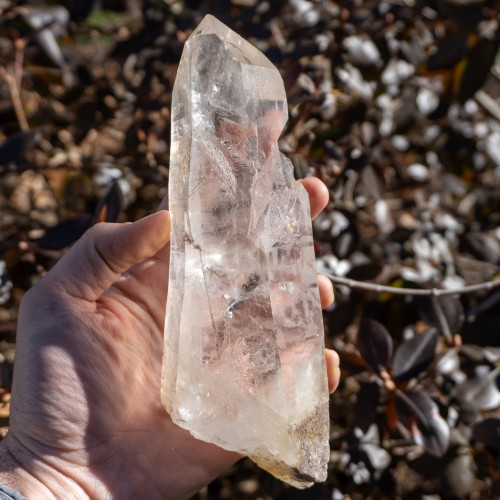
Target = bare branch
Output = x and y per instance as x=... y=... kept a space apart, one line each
x=16 y=98
x=14 y=81
x=430 y=292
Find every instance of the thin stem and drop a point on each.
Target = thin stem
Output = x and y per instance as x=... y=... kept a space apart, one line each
x=14 y=81
x=19 y=45
x=430 y=292
x=16 y=99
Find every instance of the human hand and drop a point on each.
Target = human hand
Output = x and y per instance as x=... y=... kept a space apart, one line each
x=86 y=418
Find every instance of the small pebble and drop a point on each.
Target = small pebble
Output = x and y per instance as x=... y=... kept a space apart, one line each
x=418 y=172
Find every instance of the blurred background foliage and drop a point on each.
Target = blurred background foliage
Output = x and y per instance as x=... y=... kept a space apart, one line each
x=394 y=104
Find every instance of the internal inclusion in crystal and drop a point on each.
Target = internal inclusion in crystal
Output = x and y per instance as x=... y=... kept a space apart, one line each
x=244 y=360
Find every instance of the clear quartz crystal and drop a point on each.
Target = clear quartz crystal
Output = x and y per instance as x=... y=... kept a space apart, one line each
x=244 y=364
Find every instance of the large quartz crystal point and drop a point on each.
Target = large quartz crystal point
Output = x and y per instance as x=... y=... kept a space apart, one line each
x=244 y=364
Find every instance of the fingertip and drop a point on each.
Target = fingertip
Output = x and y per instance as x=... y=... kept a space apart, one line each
x=318 y=194
x=325 y=291
x=332 y=369
x=164 y=223
x=332 y=358
x=157 y=224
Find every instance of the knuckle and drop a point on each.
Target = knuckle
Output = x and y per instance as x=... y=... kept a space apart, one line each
x=96 y=230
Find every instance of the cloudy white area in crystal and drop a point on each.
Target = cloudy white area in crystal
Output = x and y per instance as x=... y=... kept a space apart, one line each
x=244 y=364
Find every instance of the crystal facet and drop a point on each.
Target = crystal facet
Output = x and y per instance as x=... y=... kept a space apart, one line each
x=244 y=363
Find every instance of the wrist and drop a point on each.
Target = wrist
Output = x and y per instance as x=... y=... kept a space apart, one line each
x=33 y=476
x=38 y=473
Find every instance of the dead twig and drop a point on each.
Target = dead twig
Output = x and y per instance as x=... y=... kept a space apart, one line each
x=429 y=292
x=14 y=80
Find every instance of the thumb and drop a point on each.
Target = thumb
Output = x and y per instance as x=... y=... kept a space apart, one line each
x=105 y=251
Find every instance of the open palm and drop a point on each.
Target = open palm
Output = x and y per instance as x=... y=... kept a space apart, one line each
x=86 y=417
